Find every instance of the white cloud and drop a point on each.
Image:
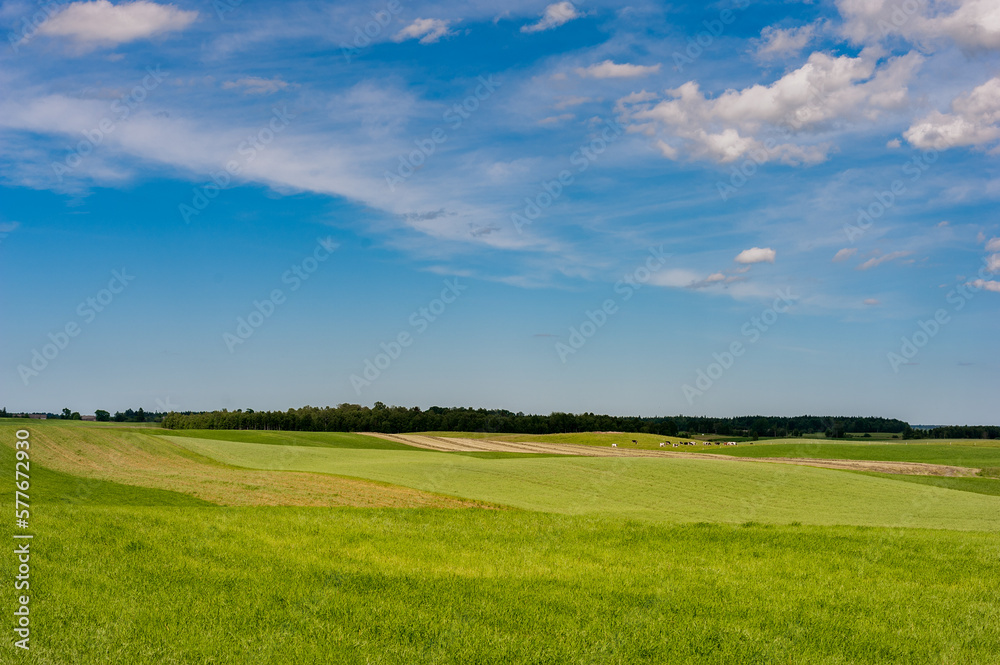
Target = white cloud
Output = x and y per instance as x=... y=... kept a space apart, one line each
x=974 y=121
x=778 y=42
x=254 y=85
x=715 y=277
x=974 y=24
x=756 y=255
x=993 y=245
x=993 y=263
x=879 y=260
x=612 y=70
x=556 y=119
x=825 y=92
x=844 y=254
x=102 y=22
x=675 y=277
x=990 y=285
x=427 y=30
x=555 y=15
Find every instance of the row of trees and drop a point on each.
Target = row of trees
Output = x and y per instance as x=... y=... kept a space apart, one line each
x=954 y=432
x=129 y=416
x=382 y=418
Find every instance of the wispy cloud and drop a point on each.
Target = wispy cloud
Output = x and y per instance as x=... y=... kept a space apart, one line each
x=844 y=254
x=779 y=42
x=555 y=15
x=427 y=30
x=612 y=70
x=101 y=22
x=254 y=85
x=876 y=261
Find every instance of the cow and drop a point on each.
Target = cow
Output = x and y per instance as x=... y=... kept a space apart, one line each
x=614 y=445
x=662 y=444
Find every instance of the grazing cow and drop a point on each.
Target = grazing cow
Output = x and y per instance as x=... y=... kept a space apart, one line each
x=662 y=444
x=633 y=441
x=614 y=445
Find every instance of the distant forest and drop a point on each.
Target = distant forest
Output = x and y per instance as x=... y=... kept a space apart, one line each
x=396 y=419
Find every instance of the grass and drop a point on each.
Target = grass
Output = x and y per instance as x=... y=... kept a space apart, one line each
x=296 y=585
x=623 y=566
x=317 y=439
x=651 y=489
x=53 y=487
x=138 y=458
x=975 y=453
x=989 y=486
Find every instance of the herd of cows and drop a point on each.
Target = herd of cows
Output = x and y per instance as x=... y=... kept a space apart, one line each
x=664 y=444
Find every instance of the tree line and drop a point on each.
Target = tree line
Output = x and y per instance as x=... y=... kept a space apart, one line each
x=398 y=419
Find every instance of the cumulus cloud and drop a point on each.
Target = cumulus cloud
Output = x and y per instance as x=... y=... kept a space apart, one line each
x=427 y=30
x=879 y=260
x=254 y=85
x=993 y=245
x=756 y=255
x=972 y=24
x=844 y=254
x=993 y=263
x=101 y=22
x=974 y=121
x=989 y=285
x=824 y=92
x=555 y=15
x=778 y=42
x=612 y=70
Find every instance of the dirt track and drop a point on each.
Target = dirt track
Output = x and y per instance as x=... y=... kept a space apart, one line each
x=447 y=444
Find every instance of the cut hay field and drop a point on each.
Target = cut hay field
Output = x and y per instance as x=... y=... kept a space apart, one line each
x=591 y=560
x=975 y=453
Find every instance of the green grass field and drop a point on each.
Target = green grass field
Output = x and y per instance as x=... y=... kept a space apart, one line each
x=593 y=560
x=660 y=490
x=964 y=452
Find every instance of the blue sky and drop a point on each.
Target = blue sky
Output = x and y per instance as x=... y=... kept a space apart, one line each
x=644 y=208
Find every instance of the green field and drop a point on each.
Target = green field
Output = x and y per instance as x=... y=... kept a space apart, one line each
x=317 y=439
x=963 y=452
x=660 y=490
x=588 y=560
